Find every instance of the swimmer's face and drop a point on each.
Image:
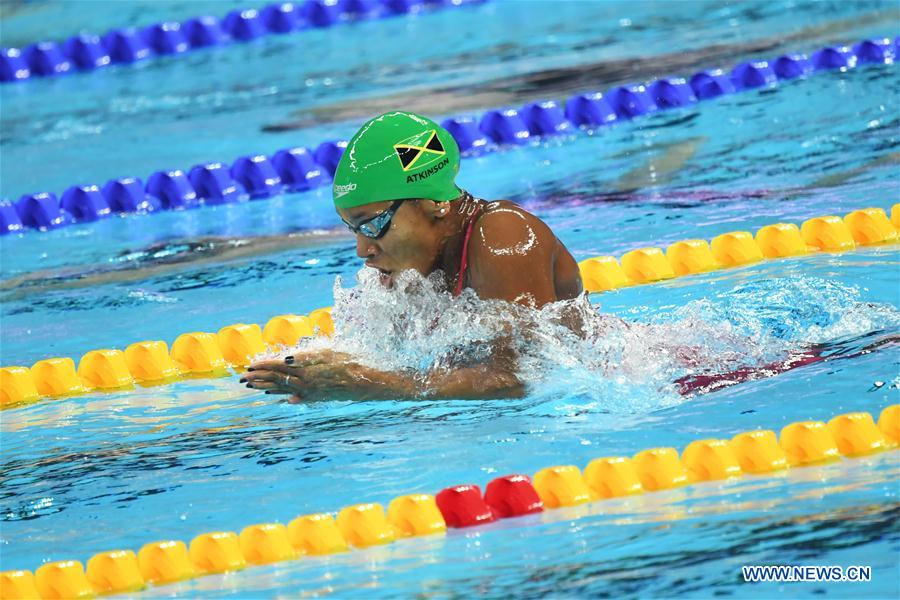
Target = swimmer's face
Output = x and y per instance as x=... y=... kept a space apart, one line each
x=410 y=241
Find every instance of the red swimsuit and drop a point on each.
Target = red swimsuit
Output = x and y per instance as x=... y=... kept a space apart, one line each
x=461 y=280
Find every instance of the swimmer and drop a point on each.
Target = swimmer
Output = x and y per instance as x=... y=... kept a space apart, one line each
x=395 y=190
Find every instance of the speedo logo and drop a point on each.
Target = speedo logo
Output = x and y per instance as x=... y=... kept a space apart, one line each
x=343 y=190
x=427 y=172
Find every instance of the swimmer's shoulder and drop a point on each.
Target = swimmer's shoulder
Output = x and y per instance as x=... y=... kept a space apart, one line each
x=505 y=224
x=514 y=256
x=502 y=206
x=507 y=219
x=505 y=229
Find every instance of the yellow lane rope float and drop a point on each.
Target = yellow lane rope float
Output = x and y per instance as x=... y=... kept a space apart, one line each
x=866 y=227
x=362 y=525
x=200 y=354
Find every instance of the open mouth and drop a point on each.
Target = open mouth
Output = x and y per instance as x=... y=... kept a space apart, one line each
x=385 y=276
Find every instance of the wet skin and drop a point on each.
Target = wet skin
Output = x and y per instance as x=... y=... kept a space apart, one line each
x=511 y=254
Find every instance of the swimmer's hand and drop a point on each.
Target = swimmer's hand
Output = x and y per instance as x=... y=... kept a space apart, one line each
x=328 y=375
x=324 y=375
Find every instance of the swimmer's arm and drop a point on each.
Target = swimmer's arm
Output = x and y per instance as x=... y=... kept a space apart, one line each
x=334 y=376
x=475 y=383
x=493 y=378
x=483 y=382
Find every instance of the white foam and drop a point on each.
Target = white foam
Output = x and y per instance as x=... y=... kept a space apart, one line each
x=615 y=365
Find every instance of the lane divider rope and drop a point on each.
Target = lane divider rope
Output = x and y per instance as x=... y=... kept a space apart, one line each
x=195 y=354
x=203 y=354
x=359 y=526
x=88 y=52
x=301 y=169
x=865 y=227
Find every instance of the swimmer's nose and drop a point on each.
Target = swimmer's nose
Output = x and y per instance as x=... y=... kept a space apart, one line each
x=365 y=247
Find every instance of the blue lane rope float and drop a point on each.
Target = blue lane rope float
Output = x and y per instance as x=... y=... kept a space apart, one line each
x=87 y=51
x=202 y=354
x=301 y=169
x=756 y=453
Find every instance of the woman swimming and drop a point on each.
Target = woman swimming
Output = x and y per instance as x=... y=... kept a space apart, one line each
x=395 y=190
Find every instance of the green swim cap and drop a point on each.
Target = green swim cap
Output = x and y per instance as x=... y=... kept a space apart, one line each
x=397 y=155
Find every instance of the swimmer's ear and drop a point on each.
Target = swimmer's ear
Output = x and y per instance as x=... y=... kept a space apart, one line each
x=437 y=210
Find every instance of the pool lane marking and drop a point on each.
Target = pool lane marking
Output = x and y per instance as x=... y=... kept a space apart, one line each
x=259 y=175
x=208 y=355
x=360 y=526
x=88 y=52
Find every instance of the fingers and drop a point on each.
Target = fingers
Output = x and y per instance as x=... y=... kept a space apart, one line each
x=262 y=385
x=252 y=377
x=265 y=365
x=299 y=374
x=276 y=367
x=281 y=366
x=271 y=381
x=302 y=359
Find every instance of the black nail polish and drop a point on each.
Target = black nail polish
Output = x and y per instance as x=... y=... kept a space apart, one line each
x=268 y=392
x=249 y=386
x=242 y=381
x=289 y=360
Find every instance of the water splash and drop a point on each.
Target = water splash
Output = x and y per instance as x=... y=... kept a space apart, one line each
x=569 y=353
x=789 y=312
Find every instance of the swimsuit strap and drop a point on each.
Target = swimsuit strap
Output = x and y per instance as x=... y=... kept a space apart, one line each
x=464 y=262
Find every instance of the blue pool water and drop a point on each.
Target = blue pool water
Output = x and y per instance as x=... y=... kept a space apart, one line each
x=104 y=471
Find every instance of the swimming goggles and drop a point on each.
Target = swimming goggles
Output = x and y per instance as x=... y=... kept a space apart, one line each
x=377 y=226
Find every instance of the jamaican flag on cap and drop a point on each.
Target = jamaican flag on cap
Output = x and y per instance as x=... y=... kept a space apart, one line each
x=420 y=150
